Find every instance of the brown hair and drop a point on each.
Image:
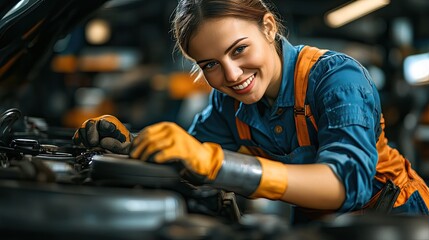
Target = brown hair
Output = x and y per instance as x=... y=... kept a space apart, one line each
x=189 y=14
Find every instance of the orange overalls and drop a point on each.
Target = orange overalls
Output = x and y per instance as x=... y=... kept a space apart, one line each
x=391 y=164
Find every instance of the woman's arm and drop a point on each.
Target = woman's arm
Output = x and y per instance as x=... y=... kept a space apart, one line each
x=314 y=186
x=348 y=112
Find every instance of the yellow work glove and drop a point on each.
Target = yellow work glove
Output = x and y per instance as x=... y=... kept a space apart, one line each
x=106 y=132
x=247 y=175
x=167 y=142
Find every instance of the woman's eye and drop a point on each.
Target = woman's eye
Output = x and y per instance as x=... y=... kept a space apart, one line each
x=209 y=65
x=239 y=49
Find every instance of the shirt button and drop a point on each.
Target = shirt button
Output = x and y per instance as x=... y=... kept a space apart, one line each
x=278 y=129
x=279 y=111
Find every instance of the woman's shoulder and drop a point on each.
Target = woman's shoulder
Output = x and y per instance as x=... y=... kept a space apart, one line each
x=331 y=59
x=334 y=58
x=341 y=67
x=337 y=74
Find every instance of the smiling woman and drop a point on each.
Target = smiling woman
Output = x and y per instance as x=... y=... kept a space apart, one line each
x=291 y=123
x=232 y=53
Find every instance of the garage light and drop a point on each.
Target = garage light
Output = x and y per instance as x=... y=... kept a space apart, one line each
x=98 y=32
x=416 y=71
x=352 y=11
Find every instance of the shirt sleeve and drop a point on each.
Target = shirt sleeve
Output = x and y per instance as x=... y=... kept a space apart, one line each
x=211 y=125
x=348 y=120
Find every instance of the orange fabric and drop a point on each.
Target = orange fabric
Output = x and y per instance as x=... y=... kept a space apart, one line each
x=313 y=121
x=392 y=165
x=243 y=129
x=273 y=181
x=306 y=59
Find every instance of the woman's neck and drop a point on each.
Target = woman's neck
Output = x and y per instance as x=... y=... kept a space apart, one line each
x=273 y=90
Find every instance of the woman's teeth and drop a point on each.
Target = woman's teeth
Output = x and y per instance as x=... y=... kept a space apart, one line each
x=245 y=84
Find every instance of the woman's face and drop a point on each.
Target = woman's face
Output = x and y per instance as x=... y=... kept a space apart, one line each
x=238 y=58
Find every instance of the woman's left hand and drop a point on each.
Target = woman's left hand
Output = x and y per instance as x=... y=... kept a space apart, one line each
x=167 y=142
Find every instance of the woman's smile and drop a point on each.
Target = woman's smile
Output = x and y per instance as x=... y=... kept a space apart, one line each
x=245 y=86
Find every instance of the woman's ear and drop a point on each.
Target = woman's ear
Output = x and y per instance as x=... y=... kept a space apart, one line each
x=270 y=27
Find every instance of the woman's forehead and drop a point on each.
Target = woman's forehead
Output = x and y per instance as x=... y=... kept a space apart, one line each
x=217 y=35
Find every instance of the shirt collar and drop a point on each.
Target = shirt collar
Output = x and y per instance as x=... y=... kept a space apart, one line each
x=286 y=96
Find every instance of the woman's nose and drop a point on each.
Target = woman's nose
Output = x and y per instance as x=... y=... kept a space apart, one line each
x=232 y=71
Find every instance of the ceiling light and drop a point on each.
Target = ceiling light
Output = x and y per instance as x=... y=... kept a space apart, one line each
x=352 y=11
x=97 y=32
x=416 y=70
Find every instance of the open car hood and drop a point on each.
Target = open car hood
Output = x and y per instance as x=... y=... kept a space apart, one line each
x=28 y=31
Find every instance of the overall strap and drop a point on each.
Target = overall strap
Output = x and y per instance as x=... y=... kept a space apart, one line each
x=243 y=128
x=306 y=59
x=244 y=134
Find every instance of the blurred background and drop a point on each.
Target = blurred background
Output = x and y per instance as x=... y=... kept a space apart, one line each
x=120 y=60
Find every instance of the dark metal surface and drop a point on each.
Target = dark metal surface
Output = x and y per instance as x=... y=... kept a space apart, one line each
x=70 y=211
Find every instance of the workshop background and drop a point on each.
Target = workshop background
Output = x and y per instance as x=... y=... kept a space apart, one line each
x=120 y=60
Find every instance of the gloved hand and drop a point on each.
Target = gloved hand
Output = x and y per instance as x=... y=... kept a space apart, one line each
x=167 y=142
x=106 y=132
x=246 y=175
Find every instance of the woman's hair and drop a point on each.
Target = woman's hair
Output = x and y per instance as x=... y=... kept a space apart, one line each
x=189 y=14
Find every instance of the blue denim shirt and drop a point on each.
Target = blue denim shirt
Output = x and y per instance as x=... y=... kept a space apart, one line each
x=346 y=106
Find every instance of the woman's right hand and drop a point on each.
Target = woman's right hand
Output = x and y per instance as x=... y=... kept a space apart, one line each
x=106 y=132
